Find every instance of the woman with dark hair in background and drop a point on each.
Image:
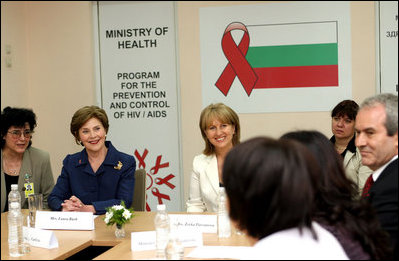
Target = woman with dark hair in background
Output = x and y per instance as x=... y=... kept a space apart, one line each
x=270 y=187
x=21 y=163
x=343 y=118
x=353 y=222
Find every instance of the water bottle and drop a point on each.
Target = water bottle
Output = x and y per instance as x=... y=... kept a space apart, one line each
x=224 y=229
x=14 y=196
x=15 y=222
x=162 y=228
x=174 y=249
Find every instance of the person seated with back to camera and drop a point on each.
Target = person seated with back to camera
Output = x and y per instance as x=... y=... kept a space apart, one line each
x=220 y=129
x=270 y=186
x=353 y=222
x=97 y=177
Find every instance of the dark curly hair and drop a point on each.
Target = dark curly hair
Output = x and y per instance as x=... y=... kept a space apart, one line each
x=16 y=117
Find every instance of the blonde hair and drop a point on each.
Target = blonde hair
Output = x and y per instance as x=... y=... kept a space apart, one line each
x=224 y=114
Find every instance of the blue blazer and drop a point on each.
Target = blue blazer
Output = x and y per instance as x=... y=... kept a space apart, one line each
x=105 y=188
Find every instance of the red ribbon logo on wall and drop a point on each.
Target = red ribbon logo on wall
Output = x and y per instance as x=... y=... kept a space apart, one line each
x=156 y=170
x=277 y=66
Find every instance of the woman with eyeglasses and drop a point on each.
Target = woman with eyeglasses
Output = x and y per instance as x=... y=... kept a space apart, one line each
x=21 y=163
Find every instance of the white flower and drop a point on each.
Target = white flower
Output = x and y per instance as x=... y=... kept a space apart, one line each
x=118 y=214
x=126 y=214
x=118 y=207
x=108 y=216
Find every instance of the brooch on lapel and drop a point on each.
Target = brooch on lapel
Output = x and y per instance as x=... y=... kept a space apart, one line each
x=118 y=166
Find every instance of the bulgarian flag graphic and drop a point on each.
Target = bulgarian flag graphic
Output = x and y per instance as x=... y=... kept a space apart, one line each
x=281 y=56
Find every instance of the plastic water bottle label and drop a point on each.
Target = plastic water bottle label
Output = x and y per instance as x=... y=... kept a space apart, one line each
x=14 y=204
x=224 y=229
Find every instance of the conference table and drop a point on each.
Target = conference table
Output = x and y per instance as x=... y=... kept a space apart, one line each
x=73 y=241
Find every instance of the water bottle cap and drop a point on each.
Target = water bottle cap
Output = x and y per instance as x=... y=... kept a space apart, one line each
x=161 y=207
x=14 y=186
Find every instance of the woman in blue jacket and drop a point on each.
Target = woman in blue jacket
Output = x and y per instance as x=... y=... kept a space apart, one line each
x=97 y=177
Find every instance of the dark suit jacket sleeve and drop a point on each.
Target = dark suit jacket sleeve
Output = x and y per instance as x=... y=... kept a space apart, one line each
x=384 y=198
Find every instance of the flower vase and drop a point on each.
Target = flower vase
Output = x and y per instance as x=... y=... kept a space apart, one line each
x=119 y=231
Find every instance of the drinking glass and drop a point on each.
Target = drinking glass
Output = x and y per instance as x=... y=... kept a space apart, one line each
x=35 y=202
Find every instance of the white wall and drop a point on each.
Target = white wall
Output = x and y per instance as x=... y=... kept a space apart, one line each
x=52 y=49
x=14 y=80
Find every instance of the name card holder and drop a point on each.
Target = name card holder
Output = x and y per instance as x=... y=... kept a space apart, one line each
x=64 y=220
x=194 y=223
x=141 y=241
x=40 y=237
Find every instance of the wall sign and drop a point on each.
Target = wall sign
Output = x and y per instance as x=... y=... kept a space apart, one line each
x=387 y=46
x=276 y=57
x=137 y=86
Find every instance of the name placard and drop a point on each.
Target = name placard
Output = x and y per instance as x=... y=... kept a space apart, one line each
x=142 y=241
x=190 y=239
x=40 y=237
x=196 y=223
x=64 y=220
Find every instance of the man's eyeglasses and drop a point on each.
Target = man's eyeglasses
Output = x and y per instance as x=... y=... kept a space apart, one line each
x=17 y=133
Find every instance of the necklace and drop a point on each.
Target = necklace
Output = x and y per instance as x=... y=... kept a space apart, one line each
x=13 y=171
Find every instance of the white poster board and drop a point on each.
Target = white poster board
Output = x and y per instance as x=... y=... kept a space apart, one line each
x=137 y=86
x=270 y=70
x=387 y=46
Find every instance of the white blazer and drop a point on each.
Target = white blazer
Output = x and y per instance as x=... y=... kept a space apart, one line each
x=204 y=184
x=355 y=170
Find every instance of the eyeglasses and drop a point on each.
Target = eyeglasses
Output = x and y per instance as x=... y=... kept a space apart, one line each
x=16 y=134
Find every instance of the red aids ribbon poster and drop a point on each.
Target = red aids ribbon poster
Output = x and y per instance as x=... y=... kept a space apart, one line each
x=284 y=66
x=257 y=61
x=137 y=86
x=238 y=64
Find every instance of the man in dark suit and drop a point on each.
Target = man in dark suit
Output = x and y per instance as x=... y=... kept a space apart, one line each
x=377 y=139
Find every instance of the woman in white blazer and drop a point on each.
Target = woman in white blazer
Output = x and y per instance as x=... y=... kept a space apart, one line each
x=220 y=129
x=343 y=127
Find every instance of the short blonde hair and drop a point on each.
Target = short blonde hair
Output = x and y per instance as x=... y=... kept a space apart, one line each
x=224 y=114
x=84 y=114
